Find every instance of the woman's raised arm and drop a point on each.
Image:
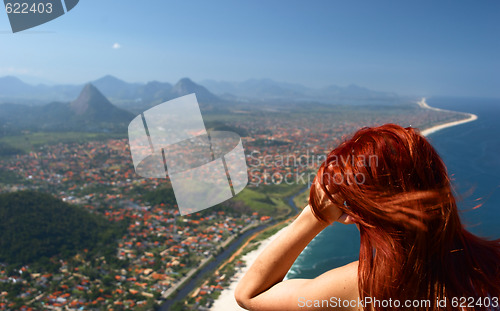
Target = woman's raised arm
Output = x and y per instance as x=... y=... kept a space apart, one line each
x=263 y=288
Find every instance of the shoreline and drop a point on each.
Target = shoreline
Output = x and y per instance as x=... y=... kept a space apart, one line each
x=226 y=299
x=426 y=132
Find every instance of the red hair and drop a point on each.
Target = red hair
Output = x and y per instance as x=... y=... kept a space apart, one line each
x=394 y=185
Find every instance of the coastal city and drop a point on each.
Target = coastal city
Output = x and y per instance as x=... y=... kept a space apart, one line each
x=158 y=250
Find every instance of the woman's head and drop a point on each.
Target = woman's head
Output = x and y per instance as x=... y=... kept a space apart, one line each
x=381 y=174
x=394 y=185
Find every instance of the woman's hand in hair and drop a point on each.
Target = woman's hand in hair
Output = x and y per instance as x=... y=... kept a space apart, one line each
x=328 y=210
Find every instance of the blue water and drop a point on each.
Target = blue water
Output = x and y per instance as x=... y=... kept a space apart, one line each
x=471 y=152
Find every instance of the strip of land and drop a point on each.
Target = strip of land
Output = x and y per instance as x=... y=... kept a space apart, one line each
x=469 y=117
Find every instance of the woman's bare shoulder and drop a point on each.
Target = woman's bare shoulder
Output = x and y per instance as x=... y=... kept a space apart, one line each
x=346 y=275
x=340 y=287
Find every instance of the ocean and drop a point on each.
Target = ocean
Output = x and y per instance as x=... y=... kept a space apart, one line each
x=471 y=151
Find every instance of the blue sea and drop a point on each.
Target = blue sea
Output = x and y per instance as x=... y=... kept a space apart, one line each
x=471 y=151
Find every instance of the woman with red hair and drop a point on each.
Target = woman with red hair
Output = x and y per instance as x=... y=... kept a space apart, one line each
x=415 y=253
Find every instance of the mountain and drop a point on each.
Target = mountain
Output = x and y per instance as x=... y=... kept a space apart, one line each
x=13 y=90
x=115 y=88
x=91 y=111
x=12 y=86
x=155 y=91
x=35 y=227
x=91 y=105
x=185 y=86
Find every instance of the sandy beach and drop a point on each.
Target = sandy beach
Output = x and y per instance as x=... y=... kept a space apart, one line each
x=226 y=300
x=469 y=118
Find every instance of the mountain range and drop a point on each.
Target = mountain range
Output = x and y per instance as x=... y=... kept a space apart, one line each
x=271 y=90
x=124 y=94
x=13 y=90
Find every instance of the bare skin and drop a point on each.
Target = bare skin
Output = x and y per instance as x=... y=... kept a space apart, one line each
x=263 y=288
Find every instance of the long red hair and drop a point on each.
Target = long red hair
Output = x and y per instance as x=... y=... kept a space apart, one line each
x=394 y=185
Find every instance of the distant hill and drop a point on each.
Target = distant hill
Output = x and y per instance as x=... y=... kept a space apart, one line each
x=256 y=88
x=36 y=226
x=13 y=90
x=92 y=106
x=12 y=86
x=155 y=92
x=113 y=87
x=267 y=89
x=91 y=111
x=185 y=86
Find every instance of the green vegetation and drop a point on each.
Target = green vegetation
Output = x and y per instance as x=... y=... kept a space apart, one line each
x=35 y=227
x=221 y=126
x=7 y=150
x=161 y=195
x=8 y=177
x=269 y=199
x=262 y=203
x=269 y=142
x=302 y=199
x=281 y=190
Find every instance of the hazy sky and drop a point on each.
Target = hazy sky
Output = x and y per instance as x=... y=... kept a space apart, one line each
x=411 y=47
